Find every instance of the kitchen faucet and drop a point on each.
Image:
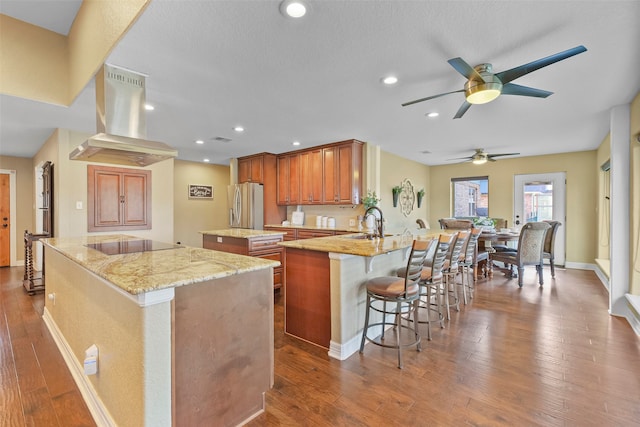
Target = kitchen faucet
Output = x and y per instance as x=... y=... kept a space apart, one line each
x=379 y=222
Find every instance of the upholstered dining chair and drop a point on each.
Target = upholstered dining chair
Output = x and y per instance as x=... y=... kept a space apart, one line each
x=402 y=294
x=529 y=252
x=549 y=244
x=455 y=224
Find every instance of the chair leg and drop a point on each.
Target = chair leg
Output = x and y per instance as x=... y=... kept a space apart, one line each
x=384 y=319
x=416 y=322
x=398 y=326
x=520 y=274
x=540 y=276
x=366 y=324
x=553 y=270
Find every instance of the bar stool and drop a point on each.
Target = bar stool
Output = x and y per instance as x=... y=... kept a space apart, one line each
x=467 y=266
x=403 y=294
x=451 y=270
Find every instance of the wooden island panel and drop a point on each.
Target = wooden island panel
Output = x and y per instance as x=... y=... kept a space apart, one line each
x=308 y=296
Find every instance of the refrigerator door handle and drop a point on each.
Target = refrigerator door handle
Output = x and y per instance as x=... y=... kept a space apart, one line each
x=237 y=206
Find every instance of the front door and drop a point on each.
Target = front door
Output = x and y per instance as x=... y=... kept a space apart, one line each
x=539 y=197
x=5 y=223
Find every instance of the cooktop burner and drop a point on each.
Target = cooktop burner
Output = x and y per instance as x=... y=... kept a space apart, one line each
x=131 y=246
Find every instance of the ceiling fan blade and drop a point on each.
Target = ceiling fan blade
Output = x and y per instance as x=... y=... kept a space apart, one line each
x=503 y=154
x=514 y=89
x=463 y=109
x=514 y=73
x=460 y=158
x=465 y=69
x=430 y=97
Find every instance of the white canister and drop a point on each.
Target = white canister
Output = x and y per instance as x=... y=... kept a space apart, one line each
x=324 y=221
x=371 y=221
x=331 y=222
x=319 y=221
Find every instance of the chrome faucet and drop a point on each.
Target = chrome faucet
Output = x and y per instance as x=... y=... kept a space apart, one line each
x=379 y=222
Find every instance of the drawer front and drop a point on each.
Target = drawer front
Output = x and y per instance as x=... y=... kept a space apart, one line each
x=277 y=277
x=290 y=233
x=309 y=234
x=264 y=244
x=273 y=256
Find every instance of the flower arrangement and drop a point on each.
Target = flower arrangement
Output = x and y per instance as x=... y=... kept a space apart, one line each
x=396 y=190
x=420 y=196
x=371 y=199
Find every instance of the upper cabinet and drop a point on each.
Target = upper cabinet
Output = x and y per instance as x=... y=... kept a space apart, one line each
x=119 y=199
x=251 y=169
x=328 y=174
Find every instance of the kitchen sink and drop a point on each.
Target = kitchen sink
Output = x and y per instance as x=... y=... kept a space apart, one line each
x=363 y=236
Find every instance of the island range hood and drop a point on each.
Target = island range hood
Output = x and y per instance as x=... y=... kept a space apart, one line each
x=120 y=118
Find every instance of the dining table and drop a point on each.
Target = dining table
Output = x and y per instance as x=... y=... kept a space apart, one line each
x=486 y=242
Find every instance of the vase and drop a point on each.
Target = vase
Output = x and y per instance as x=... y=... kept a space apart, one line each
x=419 y=200
x=395 y=199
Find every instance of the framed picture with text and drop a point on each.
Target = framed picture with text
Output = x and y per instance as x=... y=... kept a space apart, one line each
x=197 y=191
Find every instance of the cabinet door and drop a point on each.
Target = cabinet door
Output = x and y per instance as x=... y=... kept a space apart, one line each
x=329 y=166
x=118 y=199
x=345 y=172
x=251 y=169
x=311 y=177
x=289 y=179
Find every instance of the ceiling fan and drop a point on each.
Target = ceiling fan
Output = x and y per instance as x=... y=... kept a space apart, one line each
x=480 y=157
x=483 y=85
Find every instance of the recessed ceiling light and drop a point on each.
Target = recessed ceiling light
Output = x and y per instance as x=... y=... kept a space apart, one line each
x=199 y=141
x=149 y=107
x=390 y=80
x=433 y=114
x=238 y=129
x=293 y=8
x=205 y=160
x=296 y=143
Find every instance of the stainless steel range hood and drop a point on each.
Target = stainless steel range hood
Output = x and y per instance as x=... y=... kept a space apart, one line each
x=122 y=128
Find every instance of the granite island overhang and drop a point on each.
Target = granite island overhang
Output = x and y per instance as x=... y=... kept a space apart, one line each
x=184 y=335
x=324 y=285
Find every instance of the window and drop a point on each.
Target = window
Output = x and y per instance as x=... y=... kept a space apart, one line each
x=470 y=196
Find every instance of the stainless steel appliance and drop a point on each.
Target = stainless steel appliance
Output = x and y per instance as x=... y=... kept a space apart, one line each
x=246 y=205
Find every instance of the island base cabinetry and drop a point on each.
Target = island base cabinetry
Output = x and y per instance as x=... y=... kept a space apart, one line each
x=199 y=354
x=262 y=247
x=308 y=296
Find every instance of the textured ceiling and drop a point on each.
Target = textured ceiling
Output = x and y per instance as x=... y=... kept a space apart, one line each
x=216 y=64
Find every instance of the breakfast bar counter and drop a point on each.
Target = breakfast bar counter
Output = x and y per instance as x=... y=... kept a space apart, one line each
x=172 y=347
x=325 y=297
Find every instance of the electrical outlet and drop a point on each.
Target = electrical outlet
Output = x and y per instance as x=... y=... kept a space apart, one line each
x=352 y=223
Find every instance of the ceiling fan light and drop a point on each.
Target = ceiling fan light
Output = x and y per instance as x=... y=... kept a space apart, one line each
x=483 y=93
x=479 y=160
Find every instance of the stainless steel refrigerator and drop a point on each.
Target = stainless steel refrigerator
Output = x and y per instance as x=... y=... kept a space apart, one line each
x=246 y=205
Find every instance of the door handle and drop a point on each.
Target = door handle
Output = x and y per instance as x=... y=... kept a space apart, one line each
x=5 y=225
x=5 y=218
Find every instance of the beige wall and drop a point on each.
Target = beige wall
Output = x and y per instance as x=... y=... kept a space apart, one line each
x=24 y=197
x=194 y=215
x=602 y=204
x=634 y=276
x=70 y=187
x=581 y=193
x=393 y=170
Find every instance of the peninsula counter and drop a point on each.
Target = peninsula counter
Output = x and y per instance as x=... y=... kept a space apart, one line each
x=184 y=335
x=325 y=299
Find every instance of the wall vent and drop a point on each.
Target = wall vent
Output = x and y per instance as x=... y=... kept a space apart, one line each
x=220 y=139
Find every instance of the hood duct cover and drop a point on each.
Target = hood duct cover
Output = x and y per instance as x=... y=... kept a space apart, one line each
x=120 y=117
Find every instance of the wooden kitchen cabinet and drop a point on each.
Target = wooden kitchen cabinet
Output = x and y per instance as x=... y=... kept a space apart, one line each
x=327 y=174
x=260 y=246
x=251 y=169
x=118 y=199
x=310 y=173
x=288 y=171
x=342 y=173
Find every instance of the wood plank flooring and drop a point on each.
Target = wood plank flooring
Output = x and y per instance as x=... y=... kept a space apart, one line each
x=549 y=356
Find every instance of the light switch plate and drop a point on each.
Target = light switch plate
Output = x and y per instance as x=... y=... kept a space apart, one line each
x=79 y=205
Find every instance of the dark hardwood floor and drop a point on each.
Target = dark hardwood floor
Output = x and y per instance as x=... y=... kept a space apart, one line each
x=549 y=356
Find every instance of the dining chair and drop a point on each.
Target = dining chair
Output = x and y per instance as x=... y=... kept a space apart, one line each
x=403 y=294
x=529 y=252
x=549 y=244
x=455 y=224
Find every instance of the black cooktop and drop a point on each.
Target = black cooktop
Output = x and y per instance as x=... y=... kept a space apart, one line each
x=131 y=246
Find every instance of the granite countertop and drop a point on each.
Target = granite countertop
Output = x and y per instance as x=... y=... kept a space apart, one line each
x=356 y=244
x=242 y=233
x=141 y=272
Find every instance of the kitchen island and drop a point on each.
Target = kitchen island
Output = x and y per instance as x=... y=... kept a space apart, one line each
x=325 y=298
x=184 y=335
x=242 y=241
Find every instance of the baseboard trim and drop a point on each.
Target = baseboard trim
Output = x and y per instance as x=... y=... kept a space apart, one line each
x=343 y=351
x=633 y=312
x=97 y=409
